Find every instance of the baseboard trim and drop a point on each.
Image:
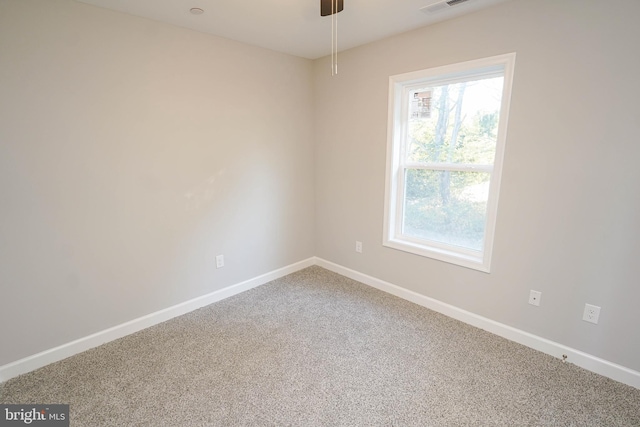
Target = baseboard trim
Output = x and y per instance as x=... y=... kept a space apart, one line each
x=577 y=357
x=46 y=357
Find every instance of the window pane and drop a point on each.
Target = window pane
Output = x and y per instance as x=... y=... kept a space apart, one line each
x=446 y=206
x=455 y=123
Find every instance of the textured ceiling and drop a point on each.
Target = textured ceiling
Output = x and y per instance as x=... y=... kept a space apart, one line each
x=293 y=26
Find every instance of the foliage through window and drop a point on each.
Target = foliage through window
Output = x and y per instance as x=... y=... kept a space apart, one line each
x=447 y=128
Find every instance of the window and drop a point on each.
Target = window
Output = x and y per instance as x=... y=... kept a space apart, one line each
x=447 y=130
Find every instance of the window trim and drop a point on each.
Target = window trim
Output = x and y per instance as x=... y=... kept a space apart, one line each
x=393 y=204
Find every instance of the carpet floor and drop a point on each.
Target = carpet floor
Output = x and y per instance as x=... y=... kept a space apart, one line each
x=317 y=349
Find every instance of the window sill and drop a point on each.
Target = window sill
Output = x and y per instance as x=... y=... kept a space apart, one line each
x=474 y=262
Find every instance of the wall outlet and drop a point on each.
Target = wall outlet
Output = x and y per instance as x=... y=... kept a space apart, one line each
x=219 y=261
x=358 y=247
x=534 y=297
x=591 y=313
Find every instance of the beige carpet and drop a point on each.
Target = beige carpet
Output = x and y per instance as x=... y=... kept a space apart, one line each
x=317 y=349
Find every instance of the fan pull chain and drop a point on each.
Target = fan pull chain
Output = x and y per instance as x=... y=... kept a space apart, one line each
x=336 y=47
x=334 y=37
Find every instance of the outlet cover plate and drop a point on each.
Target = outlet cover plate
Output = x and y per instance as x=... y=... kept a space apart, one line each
x=534 y=297
x=591 y=313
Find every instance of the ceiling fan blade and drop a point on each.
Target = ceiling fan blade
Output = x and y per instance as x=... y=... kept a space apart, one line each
x=325 y=7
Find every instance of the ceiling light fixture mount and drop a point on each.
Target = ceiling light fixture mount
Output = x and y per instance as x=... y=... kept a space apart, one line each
x=332 y=8
x=196 y=11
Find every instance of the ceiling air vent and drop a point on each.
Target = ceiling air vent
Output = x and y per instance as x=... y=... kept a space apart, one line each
x=441 y=5
x=455 y=2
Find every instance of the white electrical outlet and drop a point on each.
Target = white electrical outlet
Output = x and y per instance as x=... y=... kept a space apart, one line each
x=219 y=261
x=591 y=313
x=358 y=247
x=534 y=297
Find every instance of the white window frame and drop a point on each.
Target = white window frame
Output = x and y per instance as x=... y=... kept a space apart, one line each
x=399 y=87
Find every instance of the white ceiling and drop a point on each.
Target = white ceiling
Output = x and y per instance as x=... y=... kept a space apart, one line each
x=294 y=26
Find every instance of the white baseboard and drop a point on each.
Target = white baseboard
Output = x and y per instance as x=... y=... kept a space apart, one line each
x=46 y=357
x=577 y=357
x=584 y=360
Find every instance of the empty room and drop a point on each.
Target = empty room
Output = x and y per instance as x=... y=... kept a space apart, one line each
x=319 y=213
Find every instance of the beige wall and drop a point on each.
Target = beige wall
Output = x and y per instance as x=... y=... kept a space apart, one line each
x=131 y=153
x=569 y=215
